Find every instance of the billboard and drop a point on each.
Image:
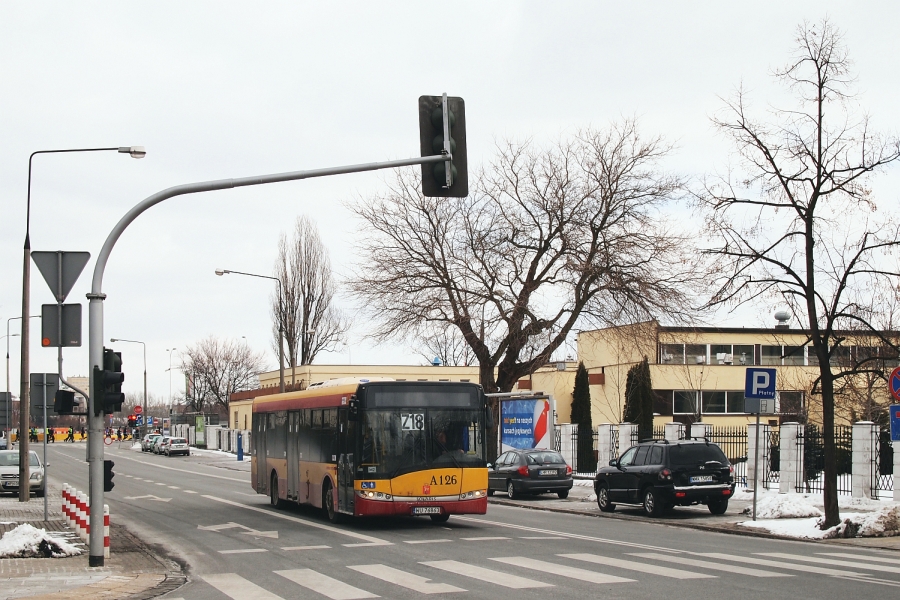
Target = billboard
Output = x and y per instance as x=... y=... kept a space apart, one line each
x=526 y=423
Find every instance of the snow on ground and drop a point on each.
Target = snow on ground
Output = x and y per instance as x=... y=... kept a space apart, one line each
x=27 y=541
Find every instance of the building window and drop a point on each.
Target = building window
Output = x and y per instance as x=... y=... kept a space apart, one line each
x=695 y=354
x=671 y=354
x=662 y=402
x=790 y=403
x=736 y=402
x=771 y=355
x=713 y=402
x=743 y=354
x=685 y=402
x=793 y=356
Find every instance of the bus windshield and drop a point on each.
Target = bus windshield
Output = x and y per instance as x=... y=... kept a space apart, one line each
x=401 y=440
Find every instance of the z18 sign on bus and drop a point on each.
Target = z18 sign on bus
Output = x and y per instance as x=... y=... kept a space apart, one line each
x=525 y=424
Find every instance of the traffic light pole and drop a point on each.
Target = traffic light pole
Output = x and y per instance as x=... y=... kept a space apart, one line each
x=96 y=298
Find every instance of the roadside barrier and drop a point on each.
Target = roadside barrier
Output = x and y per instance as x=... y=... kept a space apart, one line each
x=77 y=513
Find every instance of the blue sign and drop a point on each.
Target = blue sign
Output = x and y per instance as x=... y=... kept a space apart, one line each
x=760 y=384
x=525 y=424
x=895 y=423
x=367 y=485
x=139 y=420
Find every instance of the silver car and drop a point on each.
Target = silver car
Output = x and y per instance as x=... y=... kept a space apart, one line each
x=177 y=445
x=9 y=472
x=147 y=442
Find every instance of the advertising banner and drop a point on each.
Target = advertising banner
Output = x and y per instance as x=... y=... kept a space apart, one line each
x=526 y=423
x=200 y=431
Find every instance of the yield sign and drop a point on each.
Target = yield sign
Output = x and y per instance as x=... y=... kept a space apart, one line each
x=61 y=270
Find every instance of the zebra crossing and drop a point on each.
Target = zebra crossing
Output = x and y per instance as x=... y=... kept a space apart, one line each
x=556 y=570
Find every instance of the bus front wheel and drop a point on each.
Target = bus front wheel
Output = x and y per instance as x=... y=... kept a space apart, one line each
x=328 y=502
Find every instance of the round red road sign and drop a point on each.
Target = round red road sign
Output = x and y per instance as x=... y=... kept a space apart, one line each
x=894 y=383
x=138 y=410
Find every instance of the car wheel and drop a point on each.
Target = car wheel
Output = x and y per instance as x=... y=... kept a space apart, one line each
x=563 y=494
x=510 y=489
x=718 y=507
x=653 y=505
x=603 y=498
x=440 y=518
x=328 y=502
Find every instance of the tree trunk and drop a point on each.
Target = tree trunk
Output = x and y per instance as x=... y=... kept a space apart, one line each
x=829 y=493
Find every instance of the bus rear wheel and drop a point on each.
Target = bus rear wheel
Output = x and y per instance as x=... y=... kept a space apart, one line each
x=328 y=502
x=274 y=500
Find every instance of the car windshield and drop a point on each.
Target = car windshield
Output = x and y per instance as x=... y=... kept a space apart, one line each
x=179 y=441
x=11 y=459
x=695 y=454
x=545 y=458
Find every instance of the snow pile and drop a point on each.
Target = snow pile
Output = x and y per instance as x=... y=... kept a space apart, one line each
x=881 y=523
x=26 y=541
x=783 y=506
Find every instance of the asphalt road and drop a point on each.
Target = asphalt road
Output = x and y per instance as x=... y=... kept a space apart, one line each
x=202 y=510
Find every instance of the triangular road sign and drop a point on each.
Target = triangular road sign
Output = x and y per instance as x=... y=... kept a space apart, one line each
x=61 y=270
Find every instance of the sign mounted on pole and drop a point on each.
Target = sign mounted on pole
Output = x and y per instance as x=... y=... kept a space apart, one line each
x=759 y=391
x=37 y=393
x=60 y=270
x=894 y=383
x=56 y=318
x=895 y=423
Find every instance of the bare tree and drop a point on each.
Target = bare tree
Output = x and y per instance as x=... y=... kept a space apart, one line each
x=216 y=368
x=800 y=224
x=311 y=322
x=548 y=238
x=444 y=342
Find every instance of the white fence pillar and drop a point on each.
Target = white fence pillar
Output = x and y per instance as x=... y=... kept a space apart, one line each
x=567 y=432
x=628 y=436
x=605 y=449
x=700 y=430
x=791 y=457
x=863 y=456
x=763 y=455
x=674 y=431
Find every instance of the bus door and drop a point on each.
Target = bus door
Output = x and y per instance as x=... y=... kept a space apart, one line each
x=346 y=462
x=259 y=450
x=293 y=455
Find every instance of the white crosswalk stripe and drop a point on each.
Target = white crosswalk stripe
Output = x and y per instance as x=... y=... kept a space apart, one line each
x=325 y=585
x=404 y=579
x=705 y=564
x=236 y=587
x=563 y=570
x=832 y=561
x=777 y=564
x=489 y=575
x=636 y=566
x=885 y=559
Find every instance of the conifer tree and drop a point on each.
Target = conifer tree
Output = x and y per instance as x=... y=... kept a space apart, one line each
x=586 y=462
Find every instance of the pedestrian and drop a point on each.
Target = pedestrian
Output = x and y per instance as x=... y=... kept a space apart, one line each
x=71 y=435
x=83 y=436
x=52 y=435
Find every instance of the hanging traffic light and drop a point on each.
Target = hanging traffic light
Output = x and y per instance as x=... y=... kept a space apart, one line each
x=106 y=387
x=108 y=475
x=442 y=130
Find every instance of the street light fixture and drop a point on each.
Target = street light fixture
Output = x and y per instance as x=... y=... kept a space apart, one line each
x=221 y=272
x=24 y=409
x=145 y=375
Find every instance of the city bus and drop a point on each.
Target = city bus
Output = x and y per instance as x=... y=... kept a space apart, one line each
x=366 y=447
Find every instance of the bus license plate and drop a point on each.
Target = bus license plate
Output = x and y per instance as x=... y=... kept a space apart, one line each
x=701 y=479
x=427 y=510
x=547 y=472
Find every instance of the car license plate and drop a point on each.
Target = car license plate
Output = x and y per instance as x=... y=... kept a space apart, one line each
x=701 y=479
x=427 y=510
x=547 y=472
x=12 y=483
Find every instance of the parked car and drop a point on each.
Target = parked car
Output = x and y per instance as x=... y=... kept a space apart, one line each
x=659 y=475
x=159 y=443
x=9 y=472
x=532 y=471
x=4 y=443
x=177 y=445
x=147 y=442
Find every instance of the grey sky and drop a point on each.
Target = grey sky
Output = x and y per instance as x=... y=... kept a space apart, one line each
x=230 y=89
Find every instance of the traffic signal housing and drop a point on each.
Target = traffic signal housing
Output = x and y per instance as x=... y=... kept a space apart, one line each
x=108 y=475
x=107 y=384
x=432 y=125
x=64 y=402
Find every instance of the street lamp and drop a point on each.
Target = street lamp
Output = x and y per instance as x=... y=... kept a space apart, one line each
x=145 y=375
x=171 y=400
x=221 y=272
x=24 y=409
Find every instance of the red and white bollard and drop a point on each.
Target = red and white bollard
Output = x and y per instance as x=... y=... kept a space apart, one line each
x=105 y=531
x=76 y=509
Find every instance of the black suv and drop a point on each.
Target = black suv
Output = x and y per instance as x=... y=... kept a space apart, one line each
x=660 y=474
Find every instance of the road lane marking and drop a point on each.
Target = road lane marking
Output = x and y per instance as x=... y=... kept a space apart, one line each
x=776 y=564
x=189 y=492
x=563 y=570
x=325 y=585
x=831 y=561
x=488 y=575
x=374 y=541
x=233 y=525
x=306 y=548
x=426 y=541
x=633 y=566
x=485 y=538
x=542 y=537
x=243 y=551
x=245 y=480
x=884 y=559
x=236 y=587
x=705 y=564
x=151 y=496
x=404 y=579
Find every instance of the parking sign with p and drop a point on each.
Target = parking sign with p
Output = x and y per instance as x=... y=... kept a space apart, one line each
x=759 y=391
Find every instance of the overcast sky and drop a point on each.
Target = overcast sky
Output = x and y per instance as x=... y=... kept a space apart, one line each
x=231 y=89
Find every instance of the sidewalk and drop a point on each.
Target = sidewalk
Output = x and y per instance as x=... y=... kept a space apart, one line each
x=582 y=501
x=133 y=571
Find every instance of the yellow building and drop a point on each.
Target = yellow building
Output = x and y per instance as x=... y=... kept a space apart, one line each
x=704 y=368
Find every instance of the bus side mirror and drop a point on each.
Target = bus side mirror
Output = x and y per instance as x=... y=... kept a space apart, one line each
x=353 y=409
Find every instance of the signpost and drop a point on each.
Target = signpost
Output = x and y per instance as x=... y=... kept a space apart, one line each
x=138 y=409
x=759 y=396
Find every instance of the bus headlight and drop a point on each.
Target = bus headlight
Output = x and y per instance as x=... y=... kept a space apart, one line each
x=471 y=495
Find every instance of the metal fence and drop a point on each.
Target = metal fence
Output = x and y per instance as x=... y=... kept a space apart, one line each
x=812 y=444
x=772 y=467
x=733 y=442
x=883 y=465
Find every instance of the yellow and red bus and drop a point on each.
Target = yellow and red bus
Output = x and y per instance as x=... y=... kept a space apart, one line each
x=374 y=448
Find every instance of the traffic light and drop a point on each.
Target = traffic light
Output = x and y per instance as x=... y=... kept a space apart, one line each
x=440 y=118
x=108 y=475
x=107 y=384
x=132 y=421
x=64 y=402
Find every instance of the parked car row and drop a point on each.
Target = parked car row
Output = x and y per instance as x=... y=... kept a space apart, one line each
x=165 y=444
